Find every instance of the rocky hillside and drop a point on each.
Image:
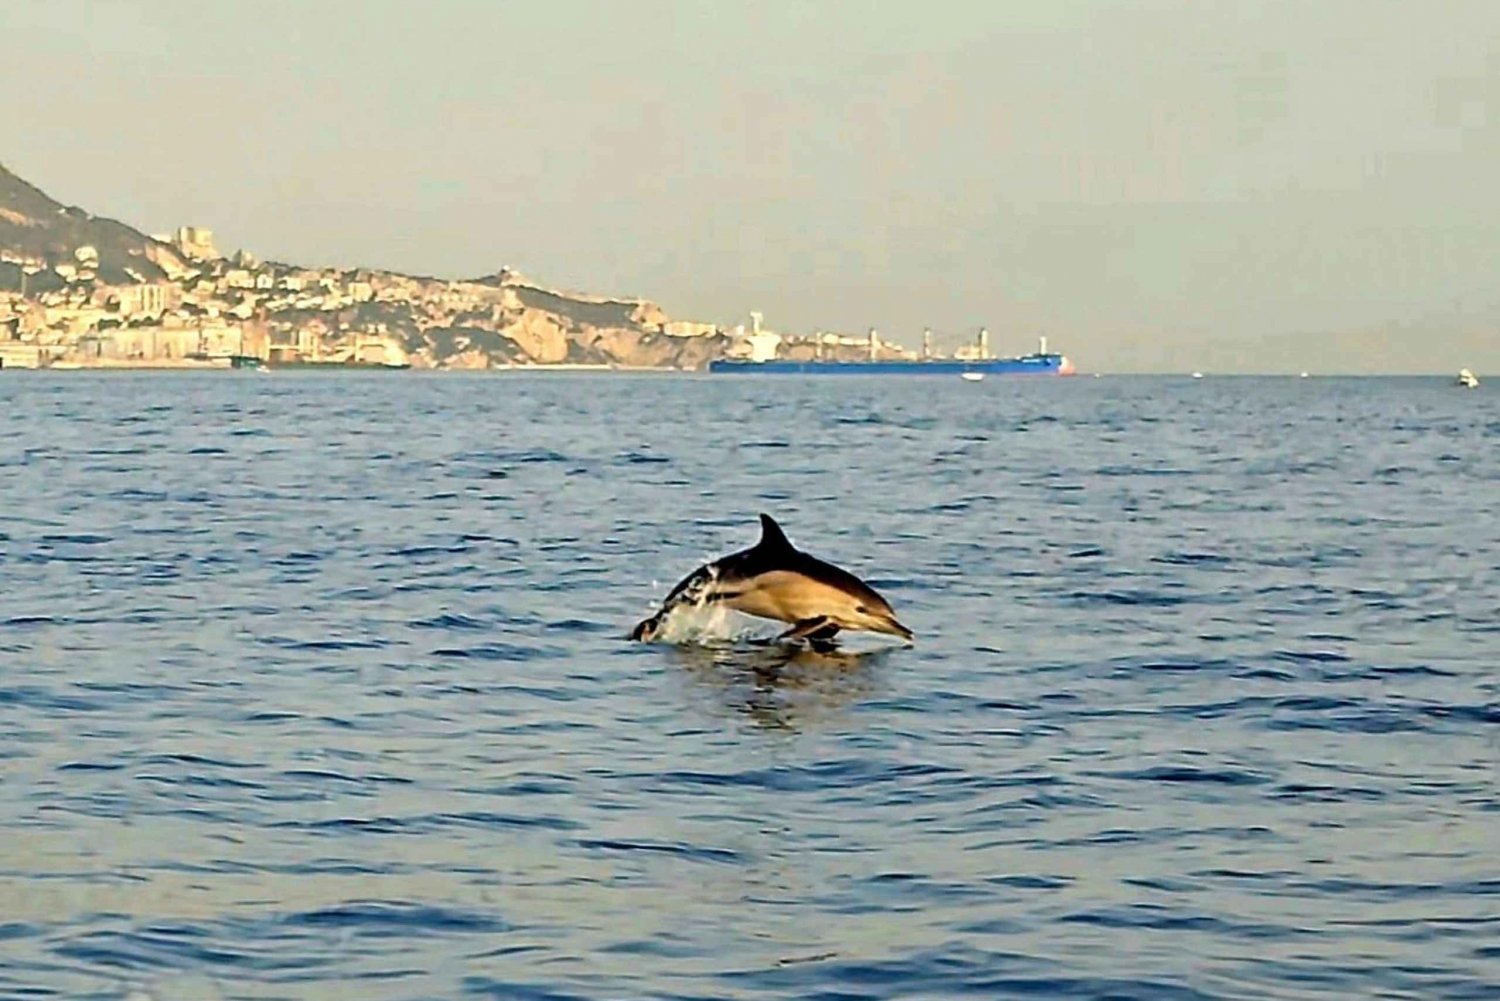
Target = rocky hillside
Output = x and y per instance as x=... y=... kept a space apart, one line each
x=38 y=229
x=85 y=273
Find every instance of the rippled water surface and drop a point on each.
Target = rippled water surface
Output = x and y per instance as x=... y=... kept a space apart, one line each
x=314 y=686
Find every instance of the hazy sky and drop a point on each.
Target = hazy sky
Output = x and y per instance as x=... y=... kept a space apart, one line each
x=1148 y=183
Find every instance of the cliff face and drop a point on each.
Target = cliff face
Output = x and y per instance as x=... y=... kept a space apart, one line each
x=545 y=326
x=513 y=322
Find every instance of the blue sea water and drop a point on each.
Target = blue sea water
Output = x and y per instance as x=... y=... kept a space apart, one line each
x=315 y=686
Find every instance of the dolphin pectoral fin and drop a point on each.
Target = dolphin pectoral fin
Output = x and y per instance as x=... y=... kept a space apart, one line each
x=823 y=640
x=819 y=630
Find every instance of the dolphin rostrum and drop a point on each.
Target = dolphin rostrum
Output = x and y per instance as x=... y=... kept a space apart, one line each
x=774 y=580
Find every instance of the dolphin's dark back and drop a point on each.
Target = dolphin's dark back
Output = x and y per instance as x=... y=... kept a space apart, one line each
x=772 y=552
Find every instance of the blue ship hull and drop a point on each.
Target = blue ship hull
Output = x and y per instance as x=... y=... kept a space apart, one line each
x=1035 y=364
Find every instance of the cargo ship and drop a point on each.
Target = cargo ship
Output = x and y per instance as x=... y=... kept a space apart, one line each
x=977 y=363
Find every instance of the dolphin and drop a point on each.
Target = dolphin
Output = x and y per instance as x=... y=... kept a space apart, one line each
x=775 y=580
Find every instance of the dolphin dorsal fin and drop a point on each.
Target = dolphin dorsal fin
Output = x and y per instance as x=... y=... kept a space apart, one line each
x=771 y=535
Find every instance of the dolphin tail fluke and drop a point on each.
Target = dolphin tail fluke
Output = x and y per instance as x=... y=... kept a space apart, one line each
x=647 y=629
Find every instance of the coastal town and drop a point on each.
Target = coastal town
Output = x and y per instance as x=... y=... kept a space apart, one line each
x=203 y=309
x=79 y=291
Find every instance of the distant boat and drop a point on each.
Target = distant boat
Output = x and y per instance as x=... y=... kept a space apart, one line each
x=1466 y=379
x=1197 y=375
x=972 y=376
x=1302 y=376
x=1039 y=362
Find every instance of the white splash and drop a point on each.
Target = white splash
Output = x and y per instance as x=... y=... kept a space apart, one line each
x=697 y=621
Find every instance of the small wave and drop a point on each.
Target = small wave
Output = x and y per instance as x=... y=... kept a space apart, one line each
x=583 y=626
x=288 y=643
x=41 y=698
x=690 y=853
x=1182 y=773
x=1312 y=656
x=1313 y=703
x=1302 y=792
x=142 y=950
x=385 y=918
x=1189 y=559
x=30 y=621
x=1126 y=597
x=450 y=620
x=481 y=537
x=16 y=929
x=136 y=495
x=510 y=989
x=1186 y=664
x=843 y=774
x=1363 y=719
x=644 y=459
x=320 y=775
x=295 y=558
x=522 y=456
x=1143 y=471
x=272 y=716
x=1030 y=881
x=497 y=652
x=1413 y=670
x=1472 y=714
x=91 y=766
x=962 y=971
x=1159 y=917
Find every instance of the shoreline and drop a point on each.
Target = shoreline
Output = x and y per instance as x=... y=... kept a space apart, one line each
x=191 y=365
x=200 y=366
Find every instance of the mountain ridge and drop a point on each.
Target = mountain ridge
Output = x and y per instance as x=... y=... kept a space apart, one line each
x=35 y=226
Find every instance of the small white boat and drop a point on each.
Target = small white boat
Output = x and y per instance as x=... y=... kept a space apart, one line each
x=1197 y=375
x=1302 y=376
x=1466 y=379
x=973 y=377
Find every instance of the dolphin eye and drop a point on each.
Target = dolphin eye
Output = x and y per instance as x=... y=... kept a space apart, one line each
x=861 y=609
